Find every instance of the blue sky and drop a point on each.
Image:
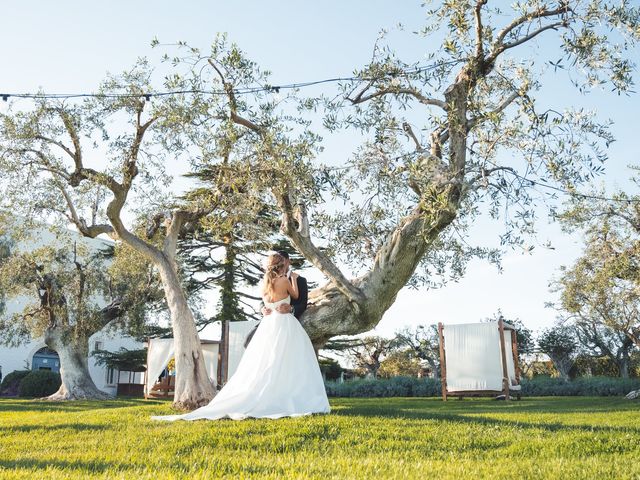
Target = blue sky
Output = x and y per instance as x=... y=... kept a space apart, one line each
x=68 y=46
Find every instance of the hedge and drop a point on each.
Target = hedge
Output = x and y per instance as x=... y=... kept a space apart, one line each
x=536 y=387
x=39 y=383
x=11 y=382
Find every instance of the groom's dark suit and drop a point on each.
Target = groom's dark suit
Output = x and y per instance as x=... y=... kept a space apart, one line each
x=300 y=304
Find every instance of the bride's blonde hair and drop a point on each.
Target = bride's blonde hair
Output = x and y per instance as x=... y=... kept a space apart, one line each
x=274 y=268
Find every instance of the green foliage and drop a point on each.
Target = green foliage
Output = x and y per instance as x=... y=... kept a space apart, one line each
x=365 y=353
x=401 y=363
x=124 y=360
x=39 y=383
x=587 y=365
x=69 y=281
x=330 y=368
x=599 y=293
x=424 y=342
x=136 y=284
x=11 y=382
x=390 y=438
x=482 y=64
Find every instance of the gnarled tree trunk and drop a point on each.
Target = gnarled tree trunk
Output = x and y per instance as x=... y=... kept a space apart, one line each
x=193 y=387
x=330 y=313
x=74 y=368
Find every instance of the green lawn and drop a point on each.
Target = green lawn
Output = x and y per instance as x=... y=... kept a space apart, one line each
x=566 y=438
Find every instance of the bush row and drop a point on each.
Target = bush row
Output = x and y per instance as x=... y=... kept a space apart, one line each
x=30 y=383
x=544 y=386
x=538 y=386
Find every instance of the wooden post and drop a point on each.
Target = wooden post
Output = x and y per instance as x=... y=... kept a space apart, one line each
x=219 y=368
x=514 y=349
x=147 y=369
x=443 y=363
x=505 y=372
x=224 y=353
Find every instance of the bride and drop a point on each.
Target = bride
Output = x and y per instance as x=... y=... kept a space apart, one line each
x=278 y=375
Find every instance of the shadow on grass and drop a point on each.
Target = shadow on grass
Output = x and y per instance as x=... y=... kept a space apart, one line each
x=471 y=413
x=76 y=427
x=549 y=405
x=23 y=405
x=75 y=466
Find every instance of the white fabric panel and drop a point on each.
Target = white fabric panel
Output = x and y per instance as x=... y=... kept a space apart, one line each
x=159 y=353
x=210 y=353
x=238 y=332
x=472 y=355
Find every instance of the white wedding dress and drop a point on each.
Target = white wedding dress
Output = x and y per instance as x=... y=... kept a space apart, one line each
x=278 y=376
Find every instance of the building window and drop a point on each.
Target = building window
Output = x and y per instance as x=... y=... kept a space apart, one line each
x=97 y=346
x=111 y=376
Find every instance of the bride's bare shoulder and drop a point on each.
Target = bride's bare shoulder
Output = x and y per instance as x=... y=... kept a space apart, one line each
x=281 y=280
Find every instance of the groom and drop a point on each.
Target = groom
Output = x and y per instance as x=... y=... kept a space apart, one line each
x=298 y=306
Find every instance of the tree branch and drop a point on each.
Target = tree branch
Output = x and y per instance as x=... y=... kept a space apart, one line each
x=57 y=143
x=631 y=221
x=91 y=231
x=233 y=104
x=75 y=139
x=499 y=46
x=484 y=174
x=531 y=35
x=542 y=12
x=300 y=237
x=361 y=98
x=178 y=219
x=44 y=164
x=505 y=103
x=409 y=131
x=479 y=47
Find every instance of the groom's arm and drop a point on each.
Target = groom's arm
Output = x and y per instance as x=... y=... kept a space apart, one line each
x=301 y=303
x=264 y=310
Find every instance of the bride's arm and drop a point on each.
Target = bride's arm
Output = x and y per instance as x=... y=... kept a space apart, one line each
x=292 y=286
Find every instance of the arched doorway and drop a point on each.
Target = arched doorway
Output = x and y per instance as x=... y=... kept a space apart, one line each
x=46 y=359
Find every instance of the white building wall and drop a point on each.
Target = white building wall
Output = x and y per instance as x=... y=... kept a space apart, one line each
x=20 y=358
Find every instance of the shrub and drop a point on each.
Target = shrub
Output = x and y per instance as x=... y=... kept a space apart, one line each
x=391 y=387
x=540 y=386
x=11 y=382
x=39 y=383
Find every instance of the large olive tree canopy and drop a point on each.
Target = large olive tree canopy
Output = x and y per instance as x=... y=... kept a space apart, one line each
x=451 y=135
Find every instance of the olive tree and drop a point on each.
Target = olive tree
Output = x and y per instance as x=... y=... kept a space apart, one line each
x=443 y=144
x=462 y=134
x=63 y=296
x=99 y=164
x=560 y=344
x=423 y=341
x=599 y=291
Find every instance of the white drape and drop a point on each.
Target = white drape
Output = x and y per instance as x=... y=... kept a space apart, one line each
x=160 y=351
x=238 y=332
x=473 y=358
x=210 y=353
